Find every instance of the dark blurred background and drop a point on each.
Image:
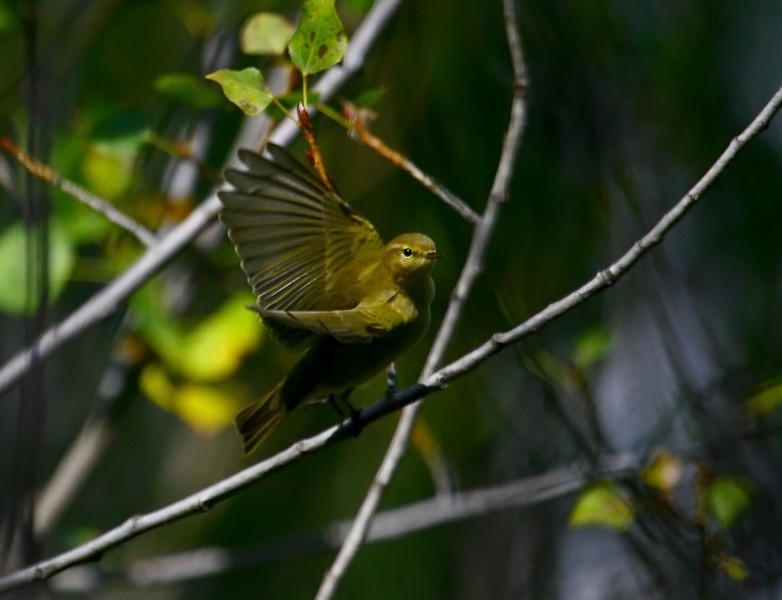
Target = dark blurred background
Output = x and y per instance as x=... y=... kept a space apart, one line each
x=630 y=103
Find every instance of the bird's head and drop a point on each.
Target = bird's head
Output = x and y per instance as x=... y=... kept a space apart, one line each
x=410 y=257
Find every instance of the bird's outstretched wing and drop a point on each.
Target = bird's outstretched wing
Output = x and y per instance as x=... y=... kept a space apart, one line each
x=353 y=326
x=301 y=246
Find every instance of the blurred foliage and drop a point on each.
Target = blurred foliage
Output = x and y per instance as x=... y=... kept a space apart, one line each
x=603 y=505
x=629 y=104
x=728 y=499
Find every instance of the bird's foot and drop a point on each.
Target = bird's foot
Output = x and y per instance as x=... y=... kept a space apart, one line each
x=354 y=426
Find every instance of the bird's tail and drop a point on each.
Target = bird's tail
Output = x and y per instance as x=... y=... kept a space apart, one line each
x=254 y=422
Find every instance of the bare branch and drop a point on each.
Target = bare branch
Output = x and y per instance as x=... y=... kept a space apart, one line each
x=196 y=503
x=109 y=299
x=482 y=234
x=387 y=525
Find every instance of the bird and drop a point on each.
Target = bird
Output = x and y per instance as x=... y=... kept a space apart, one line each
x=323 y=280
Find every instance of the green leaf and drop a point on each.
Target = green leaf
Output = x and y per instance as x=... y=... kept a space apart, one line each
x=320 y=39
x=766 y=400
x=728 y=499
x=603 y=505
x=265 y=34
x=13 y=267
x=244 y=88
x=188 y=89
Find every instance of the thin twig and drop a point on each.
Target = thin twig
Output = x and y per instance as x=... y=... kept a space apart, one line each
x=99 y=205
x=111 y=297
x=315 y=157
x=472 y=268
x=356 y=120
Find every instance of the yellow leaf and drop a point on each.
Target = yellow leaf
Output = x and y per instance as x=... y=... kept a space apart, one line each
x=205 y=408
x=733 y=566
x=663 y=472
x=215 y=349
x=603 y=505
x=157 y=386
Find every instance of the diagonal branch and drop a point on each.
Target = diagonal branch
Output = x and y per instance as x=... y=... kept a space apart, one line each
x=387 y=525
x=473 y=266
x=208 y=497
x=111 y=297
x=619 y=268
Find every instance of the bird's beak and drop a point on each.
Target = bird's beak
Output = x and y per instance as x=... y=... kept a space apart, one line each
x=433 y=255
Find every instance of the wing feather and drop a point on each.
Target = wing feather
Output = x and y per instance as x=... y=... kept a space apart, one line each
x=347 y=326
x=301 y=246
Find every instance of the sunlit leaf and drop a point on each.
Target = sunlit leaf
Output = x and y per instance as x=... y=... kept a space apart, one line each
x=265 y=34
x=157 y=386
x=603 y=505
x=728 y=499
x=205 y=408
x=244 y=88
x=14 y=286
x=216 y=347
x=766 y=400
x=320 y=40
x=188 y=89
x=663 y=472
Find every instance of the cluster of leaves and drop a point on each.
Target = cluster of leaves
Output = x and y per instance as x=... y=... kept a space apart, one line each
x=685 y=488
x=187 y=380
x=717 y=501
x=188 y=370
x=317 y=43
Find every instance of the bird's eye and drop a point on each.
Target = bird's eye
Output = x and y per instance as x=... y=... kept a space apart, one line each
x=407 y=252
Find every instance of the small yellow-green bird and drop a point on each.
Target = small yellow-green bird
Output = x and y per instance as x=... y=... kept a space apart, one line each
x=324 y=278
